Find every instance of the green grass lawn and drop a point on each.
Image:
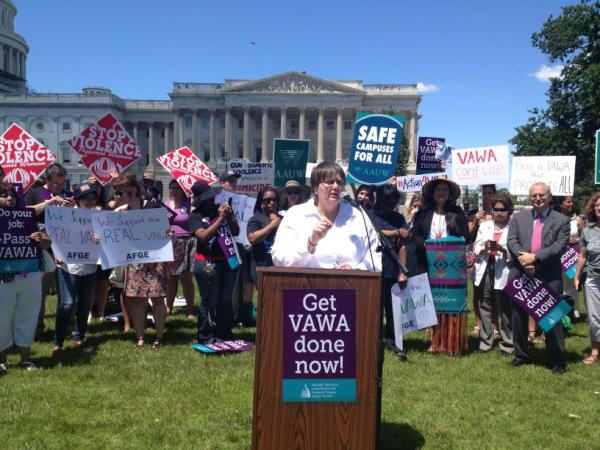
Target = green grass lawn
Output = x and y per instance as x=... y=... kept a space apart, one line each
x=110 y=395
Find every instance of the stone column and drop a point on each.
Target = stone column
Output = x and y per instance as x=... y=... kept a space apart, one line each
x=2 y=57
x=212 y=138
x=412 y=145
x=265 y=135
x=247 y=125
x=17 y=63
x=167 y=128
x=176 y=124
x=320 y=135
x=228 y=148
x=339 y=144
x=24 y=66
x=283 y=123
x=151 y=147
x=302 y=124
x=195 y=148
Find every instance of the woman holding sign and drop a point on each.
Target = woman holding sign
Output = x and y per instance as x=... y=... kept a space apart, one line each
x=142 y=281
x=20 y=297
x=589 y=259
x=217 y=263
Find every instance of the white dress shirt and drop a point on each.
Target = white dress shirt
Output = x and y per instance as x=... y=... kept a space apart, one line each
x=347 y=242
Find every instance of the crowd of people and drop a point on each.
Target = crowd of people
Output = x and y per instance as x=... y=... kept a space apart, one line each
x=304 y=226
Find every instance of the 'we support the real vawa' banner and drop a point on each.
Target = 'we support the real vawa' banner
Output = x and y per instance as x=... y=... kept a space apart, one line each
x=71 y=231
x=319 y=345
x=558 y=172
x=481 y=165
x=18 y=252
x=106 y=148
x=128 y=237
x=538 y=300
x=22 y=157
x=375 y=145
x=186 y=168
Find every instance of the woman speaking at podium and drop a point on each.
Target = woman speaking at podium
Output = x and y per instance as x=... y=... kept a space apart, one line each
x=326 y=233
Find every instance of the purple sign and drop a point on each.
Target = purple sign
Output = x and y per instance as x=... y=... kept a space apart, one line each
x=18 y=252
x=538 y=300
x=568 y=260
x=224 y=347
x=426 y=159
x=319 y=345
x=227 y=244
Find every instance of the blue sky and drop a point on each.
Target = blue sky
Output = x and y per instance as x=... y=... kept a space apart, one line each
x=475 y=56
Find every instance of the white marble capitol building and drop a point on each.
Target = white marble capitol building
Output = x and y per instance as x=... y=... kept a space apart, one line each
x=218 y=121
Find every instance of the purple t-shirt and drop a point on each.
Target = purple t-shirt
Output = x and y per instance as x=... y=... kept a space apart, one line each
x=181 y=222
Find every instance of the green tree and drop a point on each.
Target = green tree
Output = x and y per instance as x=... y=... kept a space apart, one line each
x=402 y=157
x=567 y=126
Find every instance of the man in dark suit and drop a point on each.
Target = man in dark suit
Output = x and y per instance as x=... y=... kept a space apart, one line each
x=536 y=241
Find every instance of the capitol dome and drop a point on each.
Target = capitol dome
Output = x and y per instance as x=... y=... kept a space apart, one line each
x=13 y=52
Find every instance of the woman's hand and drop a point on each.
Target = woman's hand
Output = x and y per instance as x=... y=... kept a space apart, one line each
x=275 y=220
x=224 y=210
x=320 y=230
x=95 y=238
x=42 y=239
x=170 y=233
x=345 y=266
x=402 y=280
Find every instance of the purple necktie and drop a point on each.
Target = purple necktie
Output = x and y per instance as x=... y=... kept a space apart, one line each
x=536 y=237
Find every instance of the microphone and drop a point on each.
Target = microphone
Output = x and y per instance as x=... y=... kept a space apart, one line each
x=347 y=198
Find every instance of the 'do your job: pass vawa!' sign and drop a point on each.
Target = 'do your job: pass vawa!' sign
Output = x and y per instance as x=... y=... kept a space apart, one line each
x=375 y=146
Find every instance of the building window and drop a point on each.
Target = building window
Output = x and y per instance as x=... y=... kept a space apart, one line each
x=347 y=125
x=312 y=124
x=39 y=126
x=206 y=124
x=240 y=124
x=330 y=124
x=66 y=126
x=188 y=122
x=258 y=153
x=258 y=124
x=65 y=151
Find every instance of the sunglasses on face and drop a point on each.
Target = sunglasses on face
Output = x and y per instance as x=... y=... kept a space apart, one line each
x=269 y=200
x=330 y=183
x=499 y=210
x=293 y=192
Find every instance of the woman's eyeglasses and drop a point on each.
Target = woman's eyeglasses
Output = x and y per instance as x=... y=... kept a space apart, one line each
x=330 y=183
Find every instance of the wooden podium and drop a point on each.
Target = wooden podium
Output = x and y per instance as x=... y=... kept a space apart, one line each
x=287 y=425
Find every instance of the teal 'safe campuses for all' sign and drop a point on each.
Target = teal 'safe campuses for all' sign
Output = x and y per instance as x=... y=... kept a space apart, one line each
x=375 y=145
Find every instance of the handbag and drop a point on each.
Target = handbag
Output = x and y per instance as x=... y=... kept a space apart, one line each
x=48 y=263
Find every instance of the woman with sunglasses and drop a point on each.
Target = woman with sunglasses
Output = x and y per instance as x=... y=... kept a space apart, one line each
x=326 y=233
x=491 y=275
x=142 y=281
x=292 y=194
x=262 y=228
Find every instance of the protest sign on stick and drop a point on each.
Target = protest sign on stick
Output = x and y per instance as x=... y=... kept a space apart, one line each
x=106 y=148
x=558 y=172
x=254 y=175
x=427 y=162
x=290 y=157
x=375 y=145
x=71 y=232
x=568 y=260
x=414 y=183
x=481 y=165
x=22 y=157
x=243 y=210
x=18 y=252
x=138 y=236
x=538 y=300
x=185 y=167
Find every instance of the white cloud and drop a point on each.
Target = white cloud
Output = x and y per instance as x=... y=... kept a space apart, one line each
x=546 y=73
x=424 y=88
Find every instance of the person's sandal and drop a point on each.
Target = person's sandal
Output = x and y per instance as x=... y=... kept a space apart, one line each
x=156 y=344
x=590 y=360
x=531 y=337
x=28 y=366
x=139 y=343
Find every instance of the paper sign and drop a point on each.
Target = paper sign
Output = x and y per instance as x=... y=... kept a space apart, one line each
x=481 y=165
x=105 y=148
x=558 y=172
x=243 y=210
x=319 y=345
x=18 y=253
x=224 y=347
x=414 y=183
x=375 y=145
x=71 y=232
x=129 y=237
x=538 y=300
x=427 y=162
x=22 y=157
x=254 y=175
x=568 y=260
x=185 y=167
x=290 y=157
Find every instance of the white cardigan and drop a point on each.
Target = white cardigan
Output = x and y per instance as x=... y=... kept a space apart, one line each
x=486 y=233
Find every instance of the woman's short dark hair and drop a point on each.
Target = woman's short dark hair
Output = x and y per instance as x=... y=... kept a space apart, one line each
x=386 y=194
x=127 y=181
x=7 y=188
x=56 y=170
x=261 y=195
x=323 y=171
x=504 y=199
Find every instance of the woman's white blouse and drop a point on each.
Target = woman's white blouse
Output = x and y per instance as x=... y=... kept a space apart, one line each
x=347 y=242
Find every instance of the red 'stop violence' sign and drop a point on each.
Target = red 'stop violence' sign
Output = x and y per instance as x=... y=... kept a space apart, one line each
x=22 y=157
x=105 y=148
x=186 y=168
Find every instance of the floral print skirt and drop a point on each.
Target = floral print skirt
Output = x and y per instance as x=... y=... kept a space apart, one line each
x=146 y=280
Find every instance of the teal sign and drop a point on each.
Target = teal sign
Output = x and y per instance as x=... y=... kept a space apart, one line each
x=290 y=157
x=375 y=146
